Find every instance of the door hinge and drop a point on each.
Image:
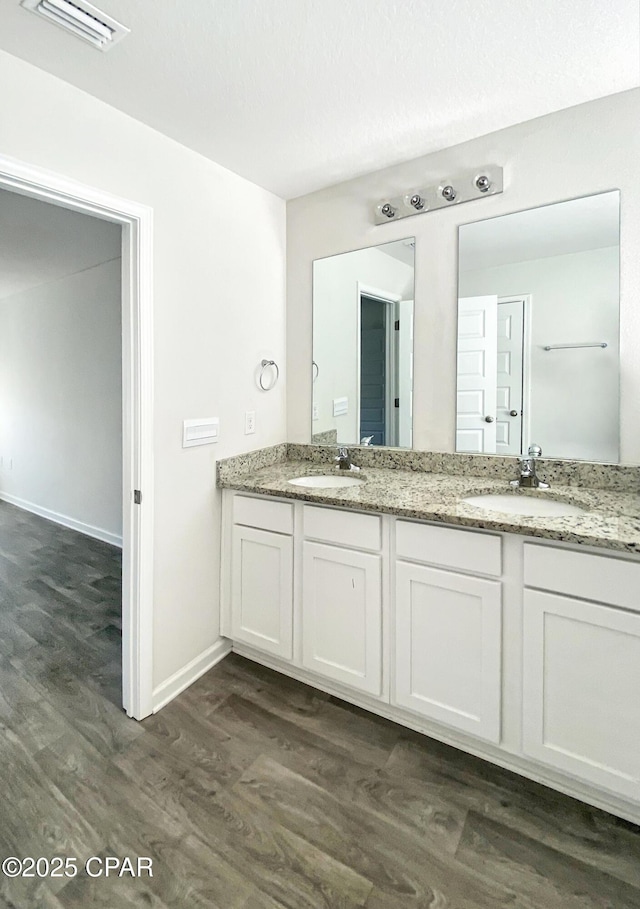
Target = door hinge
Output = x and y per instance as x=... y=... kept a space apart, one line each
x=397 y=325
x=397 y=402
x=137 y=497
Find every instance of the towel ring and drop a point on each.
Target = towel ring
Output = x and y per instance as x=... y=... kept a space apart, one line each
x=315 y=366
x=264 y=364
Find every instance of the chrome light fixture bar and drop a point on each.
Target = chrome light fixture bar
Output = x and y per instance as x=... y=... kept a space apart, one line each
x=465 y=187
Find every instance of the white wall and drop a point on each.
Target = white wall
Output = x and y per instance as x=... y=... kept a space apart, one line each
x=574 y=393
x=587 y=149
x=219 y=244
x=336 y=305
x=61 y=400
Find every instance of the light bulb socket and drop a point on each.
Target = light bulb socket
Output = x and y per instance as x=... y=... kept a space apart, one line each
x=416 y=201
x=387 y=210
x=448 y=193
x=483 y=183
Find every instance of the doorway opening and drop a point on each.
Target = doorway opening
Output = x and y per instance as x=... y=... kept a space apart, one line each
x=385 y=369
x=135 y=223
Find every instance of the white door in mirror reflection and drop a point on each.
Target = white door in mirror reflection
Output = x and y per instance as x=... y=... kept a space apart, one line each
x=477 y=374
x=491 y=356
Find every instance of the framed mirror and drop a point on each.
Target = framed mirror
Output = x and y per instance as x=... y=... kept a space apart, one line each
x=538 y=331
x=363 y=346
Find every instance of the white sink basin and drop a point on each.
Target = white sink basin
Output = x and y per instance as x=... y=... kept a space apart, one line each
x=326 y=482
x=524 y=505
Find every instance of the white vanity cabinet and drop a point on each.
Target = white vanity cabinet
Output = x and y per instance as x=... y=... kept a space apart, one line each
x=448 y=627
x=581 y=666
x=341 y=610
x=262 y=575
x=523 y=652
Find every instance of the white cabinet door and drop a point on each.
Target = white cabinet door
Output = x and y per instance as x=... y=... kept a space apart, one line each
x=342 y=616
x=262 y=590
x=582 y=690
x=448 y=648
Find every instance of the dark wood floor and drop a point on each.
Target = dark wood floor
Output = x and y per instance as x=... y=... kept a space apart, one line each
x=251 y=791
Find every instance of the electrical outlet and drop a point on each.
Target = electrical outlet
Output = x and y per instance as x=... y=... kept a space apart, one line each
x=249 y=422
x=315 y=412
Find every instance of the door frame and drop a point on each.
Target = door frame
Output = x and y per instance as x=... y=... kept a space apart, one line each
x=137 y=406
x=525 y=299
x=390 y=300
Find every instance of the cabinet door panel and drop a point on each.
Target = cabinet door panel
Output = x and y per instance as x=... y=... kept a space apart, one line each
x=342 y=616
x=582 y=690
x=262 y=590
x=448 y=648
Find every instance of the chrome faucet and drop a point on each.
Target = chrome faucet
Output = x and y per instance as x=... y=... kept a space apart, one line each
x=366 y=440
x=528 y=477
x=343 y=460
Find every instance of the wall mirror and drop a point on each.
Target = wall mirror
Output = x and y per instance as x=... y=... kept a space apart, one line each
x=538 y=331
x=363 y=346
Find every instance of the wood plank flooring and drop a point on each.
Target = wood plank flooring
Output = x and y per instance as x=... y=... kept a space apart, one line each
x=250 y=790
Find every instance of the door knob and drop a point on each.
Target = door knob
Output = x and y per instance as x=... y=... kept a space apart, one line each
x=488 y=419
x=513 y=413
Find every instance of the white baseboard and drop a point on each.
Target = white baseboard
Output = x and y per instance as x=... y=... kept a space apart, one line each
x=87 y=529
x=186 y=676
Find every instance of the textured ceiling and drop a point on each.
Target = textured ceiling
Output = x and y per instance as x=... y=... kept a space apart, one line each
x=40 y=242
x=298 y=94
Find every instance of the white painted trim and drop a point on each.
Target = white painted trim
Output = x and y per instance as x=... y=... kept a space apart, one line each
x=137 y=376
x=87 y=529
x=186 y=676
x=527 y=328
x=225 y=562
x=525 y=299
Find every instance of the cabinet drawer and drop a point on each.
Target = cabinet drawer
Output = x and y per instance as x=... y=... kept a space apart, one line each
x=261 y=513
x=346 y=528
x=615 y=582
x=465 y=550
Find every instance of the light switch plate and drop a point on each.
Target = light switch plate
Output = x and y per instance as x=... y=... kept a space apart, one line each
x=340 y=406
x=203 y=431
x=315 y=415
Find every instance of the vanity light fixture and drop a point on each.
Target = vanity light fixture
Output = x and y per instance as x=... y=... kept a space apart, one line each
x=387 y=210
x=485 y=181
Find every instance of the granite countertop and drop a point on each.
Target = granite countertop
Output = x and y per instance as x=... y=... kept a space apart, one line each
x=612 y=521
